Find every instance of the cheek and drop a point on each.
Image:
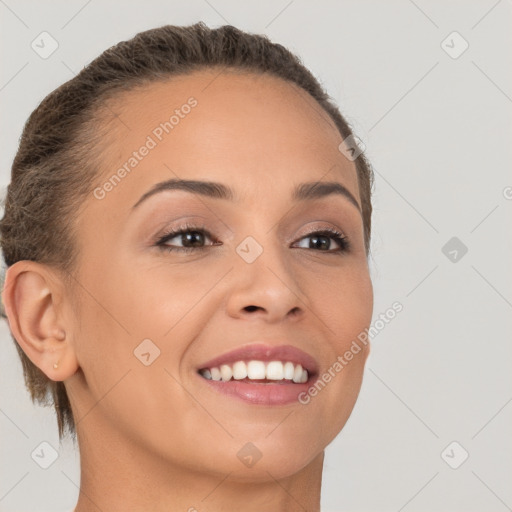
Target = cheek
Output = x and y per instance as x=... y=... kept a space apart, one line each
x=344 y=302
x=127 y=315
x=345 y=305
x=159 y=296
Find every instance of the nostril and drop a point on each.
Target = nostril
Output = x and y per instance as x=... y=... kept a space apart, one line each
x=251 y=308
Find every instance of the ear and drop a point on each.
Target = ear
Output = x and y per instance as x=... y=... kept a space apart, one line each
x=33 y=301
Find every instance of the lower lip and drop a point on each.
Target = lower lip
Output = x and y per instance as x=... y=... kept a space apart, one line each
x=280 y=393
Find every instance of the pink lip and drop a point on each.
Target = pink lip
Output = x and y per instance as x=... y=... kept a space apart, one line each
x=269 y=393
x=263 y=352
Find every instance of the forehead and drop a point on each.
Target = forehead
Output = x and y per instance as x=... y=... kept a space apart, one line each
x=247 y=130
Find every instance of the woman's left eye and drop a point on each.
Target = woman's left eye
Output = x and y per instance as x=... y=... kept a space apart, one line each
x=322 y=240
x=193 y=238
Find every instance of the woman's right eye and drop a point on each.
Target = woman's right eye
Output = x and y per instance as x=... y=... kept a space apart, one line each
x=191 y=238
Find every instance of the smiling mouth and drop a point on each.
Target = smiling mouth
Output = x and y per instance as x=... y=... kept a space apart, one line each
x=258 y=372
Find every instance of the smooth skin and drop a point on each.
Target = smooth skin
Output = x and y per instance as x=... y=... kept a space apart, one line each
x=157 y=437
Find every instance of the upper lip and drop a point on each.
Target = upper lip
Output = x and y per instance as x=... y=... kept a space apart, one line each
x=264 y=352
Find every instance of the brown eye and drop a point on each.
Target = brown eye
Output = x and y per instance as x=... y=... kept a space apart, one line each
x=322 y=241
x=190 y=238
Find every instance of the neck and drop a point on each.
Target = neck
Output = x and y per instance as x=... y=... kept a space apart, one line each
x=119 y=475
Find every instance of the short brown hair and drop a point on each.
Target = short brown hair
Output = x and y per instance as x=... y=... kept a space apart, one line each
x=52 y=172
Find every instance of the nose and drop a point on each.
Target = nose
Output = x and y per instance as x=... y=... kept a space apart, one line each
x=267 y=288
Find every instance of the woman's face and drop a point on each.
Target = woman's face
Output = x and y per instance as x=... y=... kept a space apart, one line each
x=255 y=276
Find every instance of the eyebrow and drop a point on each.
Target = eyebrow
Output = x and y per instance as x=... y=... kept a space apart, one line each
x=302 y=192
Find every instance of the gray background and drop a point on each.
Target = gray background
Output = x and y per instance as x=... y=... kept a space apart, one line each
x=437 y=130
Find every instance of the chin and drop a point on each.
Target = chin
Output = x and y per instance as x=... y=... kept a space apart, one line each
x=260 y=460
x=275 y=465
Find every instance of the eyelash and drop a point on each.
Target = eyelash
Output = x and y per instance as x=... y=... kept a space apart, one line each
x=334 y=234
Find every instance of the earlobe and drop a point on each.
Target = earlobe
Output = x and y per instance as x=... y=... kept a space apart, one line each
x=32 y=299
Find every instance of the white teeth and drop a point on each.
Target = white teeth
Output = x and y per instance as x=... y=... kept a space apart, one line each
x=297 y=374
x=226 y=372
x=239 y=370
x=289 y=368
x=257 y=370
x=275 y=370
